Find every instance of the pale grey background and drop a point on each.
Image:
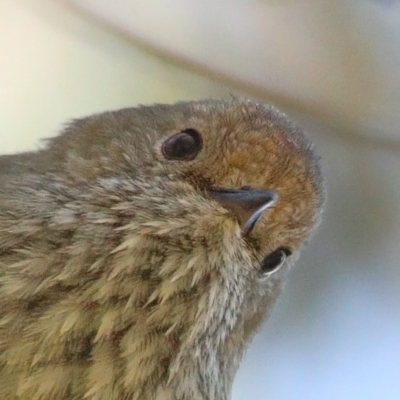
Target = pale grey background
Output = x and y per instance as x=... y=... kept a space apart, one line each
x=334 y=66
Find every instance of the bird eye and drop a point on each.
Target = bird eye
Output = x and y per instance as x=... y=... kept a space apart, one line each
x=184 y=145
x=273 y=261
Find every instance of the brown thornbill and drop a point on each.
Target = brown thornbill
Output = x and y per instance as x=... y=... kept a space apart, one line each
x=142 y=248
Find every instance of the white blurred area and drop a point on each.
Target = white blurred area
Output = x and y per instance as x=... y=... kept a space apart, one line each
x=334 y=66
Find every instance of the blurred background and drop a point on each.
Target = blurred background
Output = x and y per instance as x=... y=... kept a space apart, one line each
x=333 y=66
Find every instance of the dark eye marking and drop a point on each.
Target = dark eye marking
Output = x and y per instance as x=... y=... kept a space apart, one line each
x=183 y=146
x=273 y=261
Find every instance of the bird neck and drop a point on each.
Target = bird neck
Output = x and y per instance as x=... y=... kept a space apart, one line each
x=196 y=358
x=170 y=304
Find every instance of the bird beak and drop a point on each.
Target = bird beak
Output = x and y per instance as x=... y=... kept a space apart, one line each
x=247 y=204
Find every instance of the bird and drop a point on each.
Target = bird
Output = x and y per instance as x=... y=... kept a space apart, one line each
x=142 y=248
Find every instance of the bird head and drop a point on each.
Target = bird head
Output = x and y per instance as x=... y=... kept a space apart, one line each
x=192 y=214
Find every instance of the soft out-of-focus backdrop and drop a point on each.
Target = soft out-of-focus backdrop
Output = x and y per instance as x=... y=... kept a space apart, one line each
x=333 y=66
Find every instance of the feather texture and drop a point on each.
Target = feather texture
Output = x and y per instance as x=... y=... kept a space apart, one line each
x=120 y=278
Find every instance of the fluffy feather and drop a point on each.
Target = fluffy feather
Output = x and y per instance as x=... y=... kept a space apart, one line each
x=120 y=278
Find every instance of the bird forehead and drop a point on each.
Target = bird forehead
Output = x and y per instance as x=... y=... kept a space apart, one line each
x=261 y=156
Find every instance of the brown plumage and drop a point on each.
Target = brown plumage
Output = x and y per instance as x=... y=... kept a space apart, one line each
x=142 y=248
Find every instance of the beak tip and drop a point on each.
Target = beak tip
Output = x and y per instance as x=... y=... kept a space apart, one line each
x=254 y=218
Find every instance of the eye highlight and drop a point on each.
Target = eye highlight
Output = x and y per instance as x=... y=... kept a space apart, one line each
x=182 y=146
x=273 y=261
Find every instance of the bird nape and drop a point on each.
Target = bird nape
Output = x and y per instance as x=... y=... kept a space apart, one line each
x=142 y=248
